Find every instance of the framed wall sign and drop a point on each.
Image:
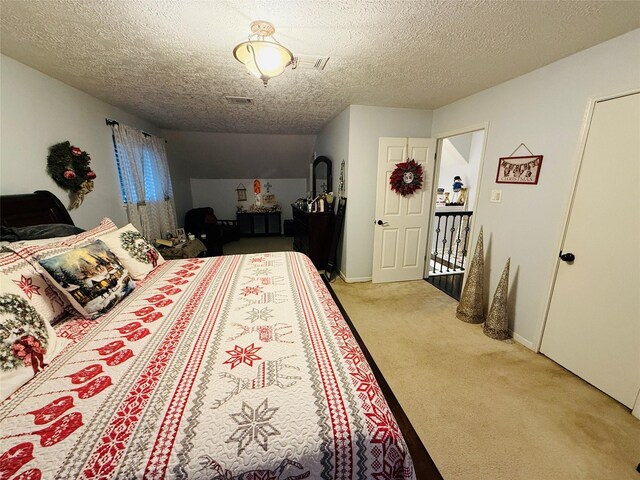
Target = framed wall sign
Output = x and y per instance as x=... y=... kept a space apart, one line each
x=522 y=170
x=242 y=193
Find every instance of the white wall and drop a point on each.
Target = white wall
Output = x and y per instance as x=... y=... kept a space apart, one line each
x=476 y=150
x=333 y=142
x=546 y=110
x=39 y=111
x=366 y=126
x=220 y=194
x=353 y=136
x=461 y=156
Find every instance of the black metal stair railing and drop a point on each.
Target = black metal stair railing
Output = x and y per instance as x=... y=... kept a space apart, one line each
x=450 y=242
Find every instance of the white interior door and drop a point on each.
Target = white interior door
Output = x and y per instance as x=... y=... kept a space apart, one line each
x=401 y=230
x=593 y=325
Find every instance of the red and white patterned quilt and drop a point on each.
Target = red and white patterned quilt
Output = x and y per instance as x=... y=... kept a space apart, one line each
x=234 y=367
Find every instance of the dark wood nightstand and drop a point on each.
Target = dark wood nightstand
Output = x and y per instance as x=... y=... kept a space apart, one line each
x=259 y=224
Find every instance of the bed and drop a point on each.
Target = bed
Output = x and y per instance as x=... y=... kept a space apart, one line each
x=232 y=367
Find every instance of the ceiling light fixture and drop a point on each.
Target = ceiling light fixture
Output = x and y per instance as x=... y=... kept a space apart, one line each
x=262 y=54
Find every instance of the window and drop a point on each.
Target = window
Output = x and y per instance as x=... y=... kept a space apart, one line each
x=145 y=184
x=150 y=176
x=123 y=192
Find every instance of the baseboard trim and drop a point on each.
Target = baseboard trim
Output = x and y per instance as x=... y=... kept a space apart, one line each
x=523 y=341
x=354 y=279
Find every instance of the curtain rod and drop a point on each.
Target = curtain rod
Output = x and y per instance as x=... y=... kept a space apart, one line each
x=111 y=122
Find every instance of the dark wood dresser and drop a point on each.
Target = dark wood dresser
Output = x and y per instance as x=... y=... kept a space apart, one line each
x=312 y=235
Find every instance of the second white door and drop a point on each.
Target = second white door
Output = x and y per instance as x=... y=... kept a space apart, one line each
x=593 y=325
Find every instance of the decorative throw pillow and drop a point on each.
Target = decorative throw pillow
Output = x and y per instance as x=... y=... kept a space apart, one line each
x=133 y=250
x=27 y=343
x=20 y=277
x=91 y=277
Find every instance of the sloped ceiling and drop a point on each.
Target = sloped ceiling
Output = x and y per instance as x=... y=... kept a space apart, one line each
x=241 y=155
x=171 y=63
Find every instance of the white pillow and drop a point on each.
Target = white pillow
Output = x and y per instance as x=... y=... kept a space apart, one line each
x=27 y=341
x=137 y=255
x=20 y=276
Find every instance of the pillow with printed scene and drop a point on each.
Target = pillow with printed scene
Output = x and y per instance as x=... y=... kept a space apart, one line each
x=91 y=277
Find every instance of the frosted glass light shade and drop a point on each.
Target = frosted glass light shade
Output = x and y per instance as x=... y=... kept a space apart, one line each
x=263 y=59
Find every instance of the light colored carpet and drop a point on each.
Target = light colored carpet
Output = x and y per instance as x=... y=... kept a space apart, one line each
x=487 y=409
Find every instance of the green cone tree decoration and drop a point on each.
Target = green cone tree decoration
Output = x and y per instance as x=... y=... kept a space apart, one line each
x=497 y=324
x=470 y=308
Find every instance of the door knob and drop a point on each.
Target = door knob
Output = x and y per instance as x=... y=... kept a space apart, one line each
x=567 y=257
x=384 y=224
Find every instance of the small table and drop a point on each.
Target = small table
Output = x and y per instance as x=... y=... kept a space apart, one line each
x=259 y=224
x=191 y=249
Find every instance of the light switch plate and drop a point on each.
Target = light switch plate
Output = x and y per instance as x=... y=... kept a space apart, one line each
x=496 y=196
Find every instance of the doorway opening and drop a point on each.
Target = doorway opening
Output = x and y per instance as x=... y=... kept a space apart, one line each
x=458 y=178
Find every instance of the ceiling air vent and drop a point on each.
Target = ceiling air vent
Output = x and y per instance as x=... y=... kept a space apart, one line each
x=239 y=100
x=310 y=62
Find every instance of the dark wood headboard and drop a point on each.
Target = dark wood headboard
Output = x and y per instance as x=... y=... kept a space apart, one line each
x=38 y=208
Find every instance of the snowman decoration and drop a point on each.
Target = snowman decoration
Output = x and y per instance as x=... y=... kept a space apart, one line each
x=457 y=189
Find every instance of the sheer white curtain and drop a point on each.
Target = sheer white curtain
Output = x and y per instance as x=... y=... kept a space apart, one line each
x=146 y=182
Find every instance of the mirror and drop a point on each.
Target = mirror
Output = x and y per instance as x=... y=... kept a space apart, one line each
x=321 y=181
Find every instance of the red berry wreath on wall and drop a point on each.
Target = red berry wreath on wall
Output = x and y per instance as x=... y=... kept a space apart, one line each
x=68 y=165
x=406 y=178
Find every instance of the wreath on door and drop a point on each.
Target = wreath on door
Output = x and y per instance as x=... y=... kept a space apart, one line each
x=406 y=179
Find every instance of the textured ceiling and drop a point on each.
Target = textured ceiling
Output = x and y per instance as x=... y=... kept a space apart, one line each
x=171 y=63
